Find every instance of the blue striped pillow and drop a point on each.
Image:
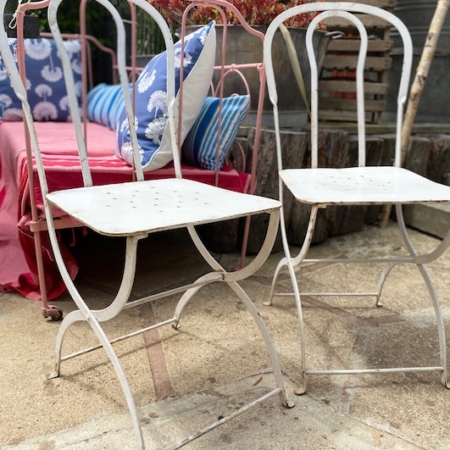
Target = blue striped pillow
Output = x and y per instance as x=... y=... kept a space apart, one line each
x=200 y=145
x=104 y=104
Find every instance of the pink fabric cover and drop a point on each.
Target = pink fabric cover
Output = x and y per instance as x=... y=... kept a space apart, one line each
x=18 y=270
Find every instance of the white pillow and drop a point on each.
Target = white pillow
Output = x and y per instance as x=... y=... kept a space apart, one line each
x=151 y=99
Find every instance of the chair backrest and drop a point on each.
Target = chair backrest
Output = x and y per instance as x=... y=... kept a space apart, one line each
x=19 y=87
x=354 y=13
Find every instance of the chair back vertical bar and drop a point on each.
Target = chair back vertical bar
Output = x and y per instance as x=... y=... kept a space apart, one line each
x=123 y=77
x=339 y=9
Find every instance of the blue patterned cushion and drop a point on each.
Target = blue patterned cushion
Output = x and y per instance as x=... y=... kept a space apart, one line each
x=105 y=103
x=151 y=105
x=200 y=145
x=46 y=88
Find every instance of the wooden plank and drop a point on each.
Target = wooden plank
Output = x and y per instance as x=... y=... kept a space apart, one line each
x=389 y=127
x=342 y=62
x=345 y=104
x=349 y=117
x=332 y=115
x=352 y=45
x=337 y=101
x=350 y=86
x=370 y=22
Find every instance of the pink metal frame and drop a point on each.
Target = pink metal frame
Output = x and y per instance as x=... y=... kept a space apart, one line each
x=38 y=224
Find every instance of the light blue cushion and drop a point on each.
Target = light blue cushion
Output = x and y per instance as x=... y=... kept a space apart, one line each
x=105 y=103
x=46 y=89
x=151 y=104
x=200 y=145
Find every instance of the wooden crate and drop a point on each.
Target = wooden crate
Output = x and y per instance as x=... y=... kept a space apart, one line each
x=337 y=88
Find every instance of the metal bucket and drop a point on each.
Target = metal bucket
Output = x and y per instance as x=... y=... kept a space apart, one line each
x=417 y=16
x=433 y=106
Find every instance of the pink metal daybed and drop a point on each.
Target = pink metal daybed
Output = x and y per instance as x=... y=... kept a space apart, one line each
x=26 y=262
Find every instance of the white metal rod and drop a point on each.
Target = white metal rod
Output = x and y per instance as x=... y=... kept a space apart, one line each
x=331 y=294
x=356 y=371
x=400 y=259
x=214 y=278
x=118 y=339
x=224 y=420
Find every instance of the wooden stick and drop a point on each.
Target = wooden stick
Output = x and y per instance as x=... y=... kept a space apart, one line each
x=418 y=85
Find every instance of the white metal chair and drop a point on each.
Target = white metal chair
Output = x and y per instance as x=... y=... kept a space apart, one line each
x=362 y=185
x=136 y=209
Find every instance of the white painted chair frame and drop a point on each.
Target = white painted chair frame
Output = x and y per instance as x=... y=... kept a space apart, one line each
x=125 y=210
x=322 y=187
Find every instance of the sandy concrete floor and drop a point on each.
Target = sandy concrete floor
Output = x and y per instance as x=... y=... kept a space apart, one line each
x=218 y=355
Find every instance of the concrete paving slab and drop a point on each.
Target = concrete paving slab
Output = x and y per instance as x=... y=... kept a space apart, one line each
x=184 y=378
x=311 y=425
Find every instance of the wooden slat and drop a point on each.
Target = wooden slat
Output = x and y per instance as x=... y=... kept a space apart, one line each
x=370 y=22
x=341 y=59
x=345 y=117
x=346 y=104
x=350 y=86
x=342 y=62
x=352 y=45
x=341 y=116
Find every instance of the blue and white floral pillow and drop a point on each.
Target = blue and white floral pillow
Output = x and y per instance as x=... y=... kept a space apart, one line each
x=151 y=102
x=46 y=89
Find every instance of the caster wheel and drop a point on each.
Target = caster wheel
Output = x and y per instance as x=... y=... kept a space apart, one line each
x=53 y=313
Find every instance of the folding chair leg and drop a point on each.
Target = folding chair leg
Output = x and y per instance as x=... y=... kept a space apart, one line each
x=231 y=279
x=48 y=311
x=439 y=322
x=268 y=341
x=381 y=281
x=288 y=260
x=245 y=241
x=284 y=262
x=77 y=316
x=292 y=264
x=186 y=297
x=430 y=286
x=84 y=313
x=302 y=385
x=122 y=379
x=71 y=318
